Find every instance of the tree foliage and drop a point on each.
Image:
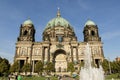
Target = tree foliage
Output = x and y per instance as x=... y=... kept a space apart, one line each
x=26 y=68
x=15 y=67
x=39 y=67
x=49 y=67
x=1 y=59
x=71 y=67
x=105 y=65
x=113 y=66
x=4 y=66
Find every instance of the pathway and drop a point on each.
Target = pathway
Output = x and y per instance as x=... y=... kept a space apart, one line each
x=68 y=78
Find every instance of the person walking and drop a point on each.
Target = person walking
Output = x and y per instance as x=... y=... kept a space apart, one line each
x=19 y=77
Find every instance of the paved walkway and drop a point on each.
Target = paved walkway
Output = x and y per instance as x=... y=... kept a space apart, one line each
x=68 y=78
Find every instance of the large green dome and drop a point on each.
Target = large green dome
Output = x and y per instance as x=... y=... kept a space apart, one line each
x=58 y=21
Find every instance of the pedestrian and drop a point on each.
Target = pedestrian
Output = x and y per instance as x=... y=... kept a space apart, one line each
x=16 y=77
x=9 y=77
x=48 y=78
x=19 y=77
x=59 y=77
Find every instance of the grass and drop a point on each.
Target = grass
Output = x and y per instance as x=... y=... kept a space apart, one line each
x=115 y=76
x=107 y=77
x=38 y=78
x=31 y=78
x=3 y=78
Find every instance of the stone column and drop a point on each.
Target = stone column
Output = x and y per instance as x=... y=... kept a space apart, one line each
x=33 y=66
x=102 y=55
x=31 y=59
x=49 y=54
x=99 y=51
x=51 y=57
x=43 y=54
x=46 y=53
x=77 y=56
x=16 y=52
x=72 y=53
x=19 y=65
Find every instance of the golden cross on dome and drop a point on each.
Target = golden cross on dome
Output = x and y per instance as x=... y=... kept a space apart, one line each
x=58 y=12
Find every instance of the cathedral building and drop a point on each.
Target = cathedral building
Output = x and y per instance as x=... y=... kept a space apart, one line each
x=59 y=44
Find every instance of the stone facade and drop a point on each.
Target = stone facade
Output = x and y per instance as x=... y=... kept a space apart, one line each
x=59 y=46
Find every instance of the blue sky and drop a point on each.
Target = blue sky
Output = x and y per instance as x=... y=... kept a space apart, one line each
x=105 y=13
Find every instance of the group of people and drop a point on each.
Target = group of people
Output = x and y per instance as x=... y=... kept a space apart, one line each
x=16 y=77
x=59 y=77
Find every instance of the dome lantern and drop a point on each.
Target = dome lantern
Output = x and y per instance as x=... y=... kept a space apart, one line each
x=58 y=13
x=90 y=22
x=27 y=22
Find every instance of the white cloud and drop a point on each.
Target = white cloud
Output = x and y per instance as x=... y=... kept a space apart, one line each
x=83 y=4
x=8 y=56
x=7 y=49
x=110 y=35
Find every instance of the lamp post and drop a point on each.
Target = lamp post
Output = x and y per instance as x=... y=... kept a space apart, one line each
x=109 y=65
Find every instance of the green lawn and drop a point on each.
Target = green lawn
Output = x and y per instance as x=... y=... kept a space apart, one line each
x=31 y=78
x=3 y=78
x=115 y=76
x=108 y=77
x=38 y=78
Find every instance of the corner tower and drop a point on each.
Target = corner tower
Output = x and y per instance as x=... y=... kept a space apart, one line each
x=91 y=36
x=24 y=44
x=27 y=31
x=91 y=32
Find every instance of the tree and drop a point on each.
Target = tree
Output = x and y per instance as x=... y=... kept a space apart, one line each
x=71 y=67
x=49 y=67
x=0 y=59
x=118 y=66
x=15 y=67
x=105 y=65
x=4 y=66
x=26 y=68
x=39 y=67
x=115 y=66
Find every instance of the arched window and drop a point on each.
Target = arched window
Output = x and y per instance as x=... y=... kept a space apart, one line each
x=60 y=38
x=59 y=69
x=92 y=33
x=25 y=32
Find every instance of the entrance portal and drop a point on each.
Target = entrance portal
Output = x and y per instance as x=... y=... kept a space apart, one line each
x=60 y=61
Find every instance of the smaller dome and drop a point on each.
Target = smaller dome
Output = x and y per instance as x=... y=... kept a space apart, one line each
x=28 y=22
x=90 y=22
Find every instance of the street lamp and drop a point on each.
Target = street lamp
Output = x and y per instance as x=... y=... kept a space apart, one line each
x=109 y=65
